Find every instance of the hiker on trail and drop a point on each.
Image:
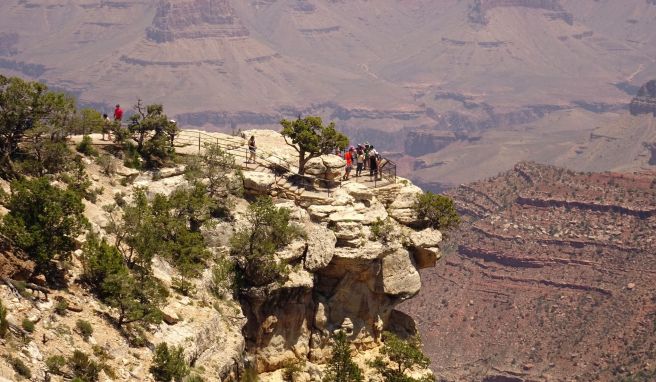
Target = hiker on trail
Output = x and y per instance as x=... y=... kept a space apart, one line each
x=251 y=149
x=359 y=153
x=373 y=163
x=349 y=162
x=107 y=127
x=367 y=148
x=118 y=113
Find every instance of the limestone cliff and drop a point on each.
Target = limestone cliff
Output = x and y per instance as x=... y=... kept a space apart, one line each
x=343 y=275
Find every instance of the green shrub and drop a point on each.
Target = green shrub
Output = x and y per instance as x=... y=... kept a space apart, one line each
x=4 y=324
x=381 y=230
x=61 y=308
x=169 y=364
x=341 y=367
x=43 y=220
x=19 y=366
x=99 y=260
x=28 y=325
x=55 y=364
x=401 y=357
x=437 y=211
x=107 y=164
x=292 y=368
x=85 y=329
x=86 y=147
x=223 y=277
x=268 y=230
x=83 y=367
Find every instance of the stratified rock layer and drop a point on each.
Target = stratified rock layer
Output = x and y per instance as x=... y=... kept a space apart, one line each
x=552 y=279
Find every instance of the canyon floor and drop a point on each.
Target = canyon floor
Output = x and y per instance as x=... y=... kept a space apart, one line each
x=549 y=278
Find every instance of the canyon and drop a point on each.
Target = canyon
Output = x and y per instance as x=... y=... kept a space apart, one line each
x=439 y=84
x=548 y=278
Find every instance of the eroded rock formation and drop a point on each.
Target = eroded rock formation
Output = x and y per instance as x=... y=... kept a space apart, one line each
x=195 y=19
x=645 y=101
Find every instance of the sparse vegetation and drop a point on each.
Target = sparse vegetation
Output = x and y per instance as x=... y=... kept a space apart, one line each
x=437 y=211
x=61 y=307
x=55 y=364
x=381 y=229
x=28 y=325
x=83 y=367
x=20 y=367
x=86 y=147
x=341 y=367
x=254 y=247
x=223 y=277
x=169 y=364
x=399 y=357
x=43 y=220
x=85 y=329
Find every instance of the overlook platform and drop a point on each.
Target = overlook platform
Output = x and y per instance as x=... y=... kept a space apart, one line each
x=274 y=157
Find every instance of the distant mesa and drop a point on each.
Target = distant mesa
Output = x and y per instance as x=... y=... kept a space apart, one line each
x=195 y=19
x=645 y=101
x=478 y=10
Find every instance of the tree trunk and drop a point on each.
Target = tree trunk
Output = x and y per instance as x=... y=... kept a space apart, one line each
x=301 y=163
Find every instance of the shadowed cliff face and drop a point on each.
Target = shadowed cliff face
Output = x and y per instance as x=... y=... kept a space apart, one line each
x=645 y=101
x=195 y=19
x=550 y=278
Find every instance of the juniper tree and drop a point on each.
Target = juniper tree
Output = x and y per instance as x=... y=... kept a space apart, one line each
x=253 y=247
x=341 y=367
x=311 y=139
x=43 y=220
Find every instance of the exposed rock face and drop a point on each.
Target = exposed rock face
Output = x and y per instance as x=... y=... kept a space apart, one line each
x=645 y=101
x=195 y=19
x=344 y=279
x=480 y=7
x=548 y=262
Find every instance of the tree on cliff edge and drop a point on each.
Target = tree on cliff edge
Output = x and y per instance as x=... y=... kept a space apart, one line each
x=341 y=367
x=311 y=139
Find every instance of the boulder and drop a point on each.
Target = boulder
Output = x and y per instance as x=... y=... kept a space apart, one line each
x=401 y=208
x=357 y=191
x=400 y=277
x=321 y=247
x=258 y=183
x=326 y=167
x=425 y=247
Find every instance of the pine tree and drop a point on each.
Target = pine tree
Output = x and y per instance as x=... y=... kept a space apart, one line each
x=341 y=367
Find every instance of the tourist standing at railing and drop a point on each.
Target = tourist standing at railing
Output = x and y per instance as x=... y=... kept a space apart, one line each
x=252 y=148
x=359 y=153
x=118 y=113
x=373 y=162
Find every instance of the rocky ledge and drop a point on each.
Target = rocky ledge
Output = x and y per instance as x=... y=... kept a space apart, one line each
x=358 y=260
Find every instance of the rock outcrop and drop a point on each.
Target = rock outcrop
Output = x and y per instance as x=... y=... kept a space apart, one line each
x=645 y=101
x=359 y=258
x=195 y=19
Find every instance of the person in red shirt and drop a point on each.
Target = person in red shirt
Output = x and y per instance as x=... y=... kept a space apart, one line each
x=118 y=113
x=349 y=162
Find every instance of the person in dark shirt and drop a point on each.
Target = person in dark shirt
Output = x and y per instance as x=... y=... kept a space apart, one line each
x=118 y=113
